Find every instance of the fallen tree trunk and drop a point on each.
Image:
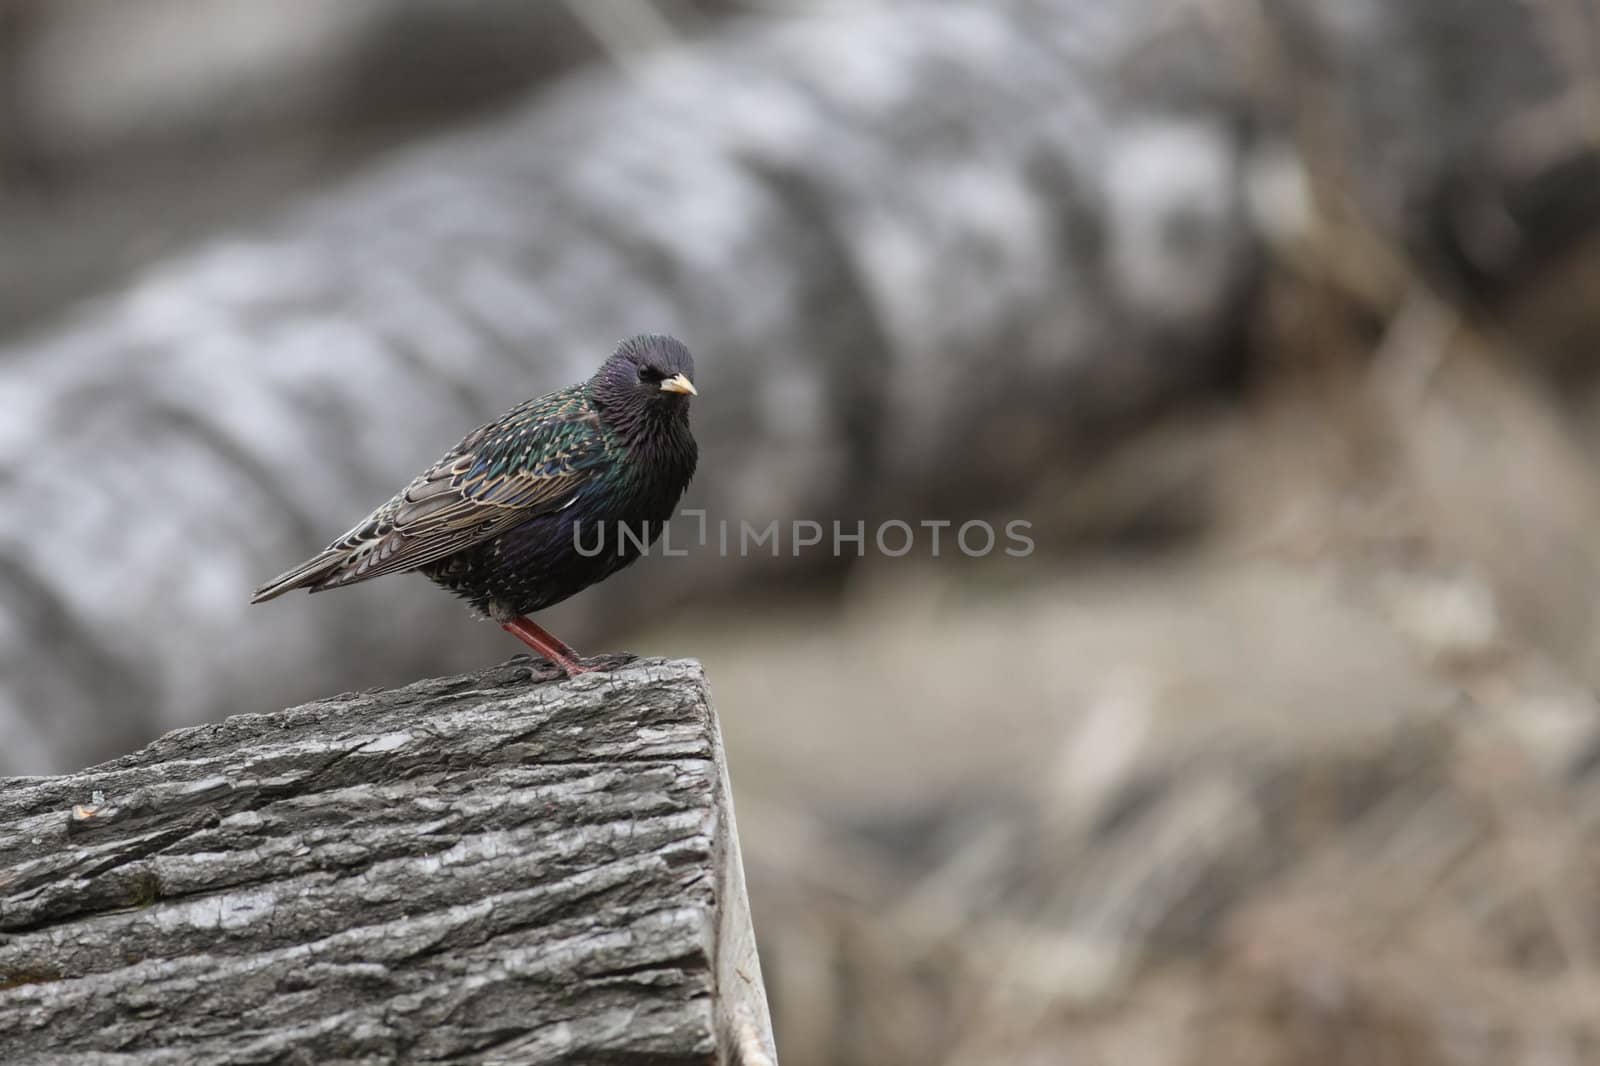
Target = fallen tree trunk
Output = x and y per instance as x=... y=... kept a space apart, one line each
x=922 y=257
x=481 y=868
x=870 y=227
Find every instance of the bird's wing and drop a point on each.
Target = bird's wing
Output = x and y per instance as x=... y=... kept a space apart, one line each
x=533 y=461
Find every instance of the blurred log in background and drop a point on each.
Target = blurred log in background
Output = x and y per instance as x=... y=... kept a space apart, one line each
x=1272 y=317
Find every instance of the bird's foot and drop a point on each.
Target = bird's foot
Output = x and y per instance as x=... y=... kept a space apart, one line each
x=548 y=669
x=538 y=638
x=567 y=665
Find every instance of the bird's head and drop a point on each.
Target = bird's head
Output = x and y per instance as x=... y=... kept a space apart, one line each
x=652 y=371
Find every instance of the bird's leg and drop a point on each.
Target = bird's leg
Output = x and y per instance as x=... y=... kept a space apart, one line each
x=542 y=641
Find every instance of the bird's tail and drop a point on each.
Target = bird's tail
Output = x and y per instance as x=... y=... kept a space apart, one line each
x=309 y=573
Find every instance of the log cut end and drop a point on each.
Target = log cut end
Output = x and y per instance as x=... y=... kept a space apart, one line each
x=481 y=868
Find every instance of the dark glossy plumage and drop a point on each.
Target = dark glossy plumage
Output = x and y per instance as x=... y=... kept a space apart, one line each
x=493 y=520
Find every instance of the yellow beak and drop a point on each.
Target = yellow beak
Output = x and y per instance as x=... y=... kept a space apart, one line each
x=679 y=383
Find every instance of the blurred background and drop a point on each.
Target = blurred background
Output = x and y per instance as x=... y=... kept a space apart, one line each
x=1275 y=318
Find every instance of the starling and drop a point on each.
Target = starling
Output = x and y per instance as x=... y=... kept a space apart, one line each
x=558 y=493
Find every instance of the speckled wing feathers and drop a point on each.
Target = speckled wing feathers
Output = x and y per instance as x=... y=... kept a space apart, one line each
x=532 y=461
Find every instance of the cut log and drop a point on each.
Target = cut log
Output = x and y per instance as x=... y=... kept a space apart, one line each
x=484 y=868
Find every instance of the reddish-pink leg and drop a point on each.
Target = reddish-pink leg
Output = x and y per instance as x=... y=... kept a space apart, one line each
x=540 y=640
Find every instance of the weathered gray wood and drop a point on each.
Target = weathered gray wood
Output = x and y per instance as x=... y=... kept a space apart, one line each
x=483 y=868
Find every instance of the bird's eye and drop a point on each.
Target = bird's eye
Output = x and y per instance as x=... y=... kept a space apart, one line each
x=648 y=373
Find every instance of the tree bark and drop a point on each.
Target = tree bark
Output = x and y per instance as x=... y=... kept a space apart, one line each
x=482 y=868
